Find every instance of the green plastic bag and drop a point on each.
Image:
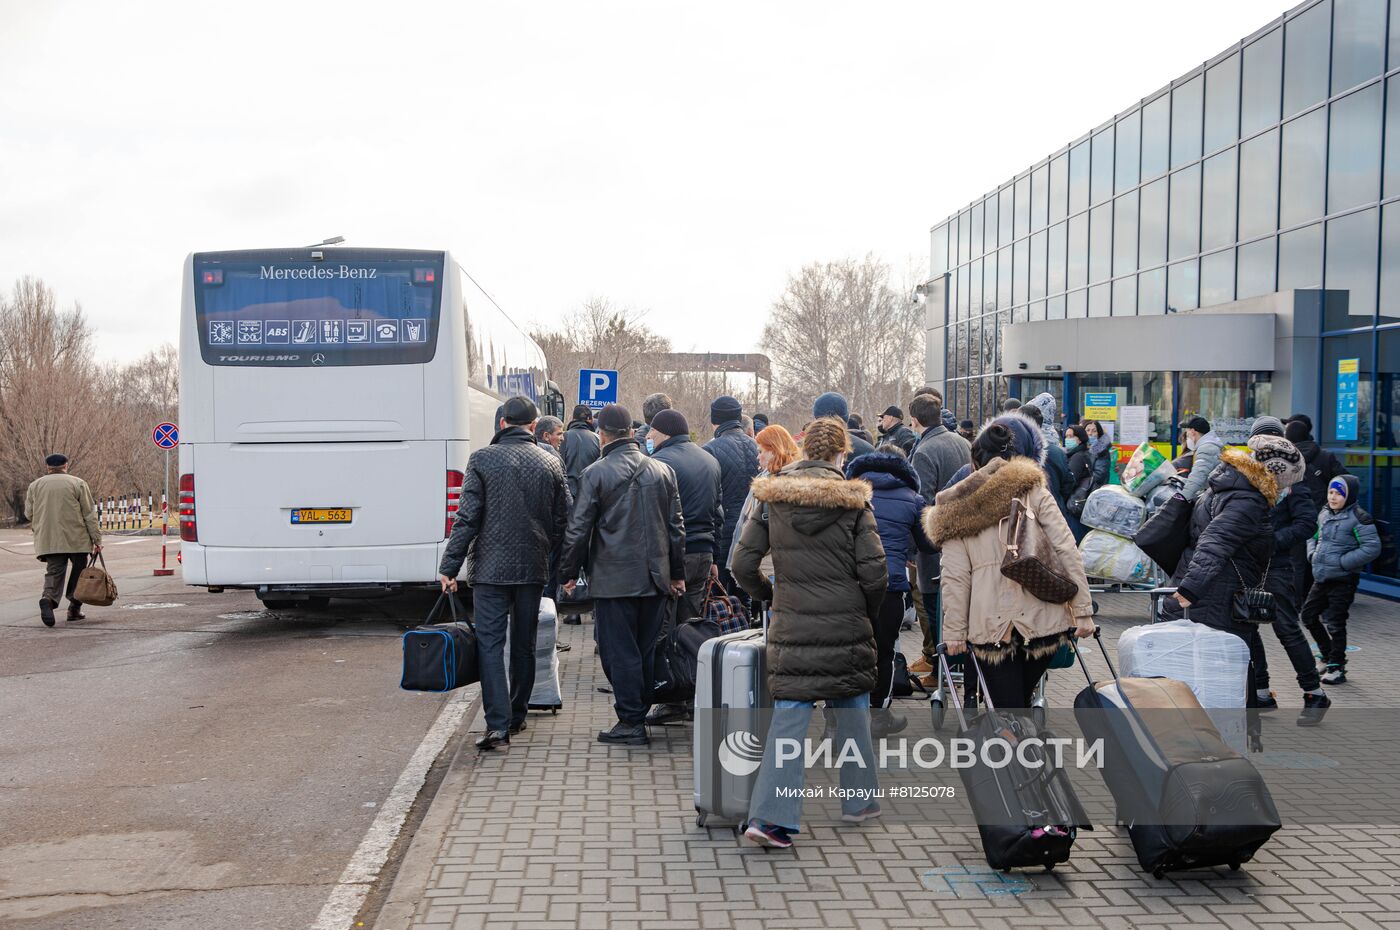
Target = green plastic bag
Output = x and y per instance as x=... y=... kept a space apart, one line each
x=1145 y=470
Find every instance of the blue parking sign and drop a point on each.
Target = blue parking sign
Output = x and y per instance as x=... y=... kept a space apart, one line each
x=597 y=388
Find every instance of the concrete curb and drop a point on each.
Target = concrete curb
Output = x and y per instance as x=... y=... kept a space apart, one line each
x=416 y=868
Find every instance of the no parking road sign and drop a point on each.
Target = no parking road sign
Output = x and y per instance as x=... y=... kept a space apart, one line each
x=166 y=435
x=597 y=388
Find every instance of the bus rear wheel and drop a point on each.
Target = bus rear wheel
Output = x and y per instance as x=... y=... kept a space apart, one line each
x=278 y=604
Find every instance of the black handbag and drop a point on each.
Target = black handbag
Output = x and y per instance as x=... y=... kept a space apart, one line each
x=1253 y=605
x=1164 y=536
x=580 y=601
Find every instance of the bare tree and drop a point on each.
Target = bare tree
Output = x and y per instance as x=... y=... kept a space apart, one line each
x=840 y=326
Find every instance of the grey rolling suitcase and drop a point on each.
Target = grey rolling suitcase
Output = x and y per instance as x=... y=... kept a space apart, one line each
x=731 y=704
x=546 y=694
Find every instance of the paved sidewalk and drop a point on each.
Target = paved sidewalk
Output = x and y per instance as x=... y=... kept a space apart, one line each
x=561 y=831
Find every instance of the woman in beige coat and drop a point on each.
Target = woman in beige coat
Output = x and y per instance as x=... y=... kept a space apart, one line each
x=1012 y=633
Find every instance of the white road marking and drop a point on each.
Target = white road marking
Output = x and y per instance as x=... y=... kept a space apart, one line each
x=150 y=606
x=349 y=893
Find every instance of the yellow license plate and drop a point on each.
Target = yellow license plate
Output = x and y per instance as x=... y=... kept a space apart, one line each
x=321 y=515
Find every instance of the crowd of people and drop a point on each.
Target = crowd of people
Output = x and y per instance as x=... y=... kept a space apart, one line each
x=833 y=532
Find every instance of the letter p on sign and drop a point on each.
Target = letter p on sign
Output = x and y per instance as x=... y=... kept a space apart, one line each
x=597 y=388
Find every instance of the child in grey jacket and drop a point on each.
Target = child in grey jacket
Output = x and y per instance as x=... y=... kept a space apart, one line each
x=1346 y=540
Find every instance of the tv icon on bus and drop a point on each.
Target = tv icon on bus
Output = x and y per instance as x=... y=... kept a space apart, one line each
x=386 y=331
x=250 y=332
x=278 y=332
x=357 y=330
x=415 y=330
x=304 y=332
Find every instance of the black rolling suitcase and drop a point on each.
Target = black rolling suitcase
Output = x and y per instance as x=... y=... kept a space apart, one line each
x=1027 y=816
x=441 y=656
x=1189 y=801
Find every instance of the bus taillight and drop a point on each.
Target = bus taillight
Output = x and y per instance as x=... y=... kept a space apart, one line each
x=454 y=497
x=189 y=529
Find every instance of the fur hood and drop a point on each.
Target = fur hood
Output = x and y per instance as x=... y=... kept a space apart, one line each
x=873 y=465
x=1253 y=472
x=982 y=498
x=812 y=484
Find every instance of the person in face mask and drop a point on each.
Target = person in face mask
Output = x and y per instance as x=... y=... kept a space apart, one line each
x=1205 y=446
x=1081 y=472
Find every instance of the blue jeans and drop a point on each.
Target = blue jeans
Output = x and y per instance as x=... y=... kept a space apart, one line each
x=790 y=721
x=506 y=610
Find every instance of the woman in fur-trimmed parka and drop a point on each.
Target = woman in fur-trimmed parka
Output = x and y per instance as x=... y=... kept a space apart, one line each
x=1012 y=633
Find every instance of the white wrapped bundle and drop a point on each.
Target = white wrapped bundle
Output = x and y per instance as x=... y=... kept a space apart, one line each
x=546 y=692
x=1213 y=663
x=1114 y=510
x=1160 y=495
x=1115 y=559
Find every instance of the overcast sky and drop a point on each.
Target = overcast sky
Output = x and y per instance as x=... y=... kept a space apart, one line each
x=679 y=157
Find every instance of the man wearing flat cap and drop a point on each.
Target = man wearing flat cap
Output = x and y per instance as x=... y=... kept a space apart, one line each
x=512 y=513
x=63 y=514
x=628 y=526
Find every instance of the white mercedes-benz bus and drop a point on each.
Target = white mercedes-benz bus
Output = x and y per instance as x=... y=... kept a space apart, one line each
x=329 y=399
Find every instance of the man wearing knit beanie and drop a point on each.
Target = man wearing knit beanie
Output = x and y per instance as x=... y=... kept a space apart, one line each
x=1292 y=519
x=737 y=454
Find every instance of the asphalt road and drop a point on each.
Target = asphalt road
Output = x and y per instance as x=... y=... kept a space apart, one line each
x=185 y=759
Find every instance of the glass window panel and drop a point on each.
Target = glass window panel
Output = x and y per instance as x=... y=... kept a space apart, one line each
x=1038 y=265
x=974 y=295
x=1100 y=242
x=964 y=236
x=1304 y=158
x=1078 y=177
x=1259 y=185
x=1300 y=258
x=1055 y=308
x=1218 y=278
x=976 y=248
x=1125 y=167
x=1259 y=89
x=1059 y=187
x=1182 y=287
x=1351 y=266
x=1388 y=437
x=1392 y=134
x=989 y=281
x=1055 y=265
x=1079 y=250
x=1358 y=42
x=1023 y=207
x=1101 y=169
x=1218 y=201
x=963 y=292
x=1306 y=51
x=1100 y=296
x=1223 y=104
x=1004 y=198
x=1186 y=122
x=1394 y=33
x=1125 y=296
x=1018 y=314
x=1156 y=129
x=1390 y=265
x=1004 y=279
x=1020 y=274
x=1354 y=150
x=1256 y=269
x=1040 y=197
x=1152 y=291
x=1228 y=399
x=1334 y=349
x=1125 y=231
x=938 y=262
x=1152 y=244
x=1036 y=312
x=1077 y=305
x=1185 y=219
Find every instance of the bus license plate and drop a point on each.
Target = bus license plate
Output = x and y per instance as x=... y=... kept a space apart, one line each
x=321 y=515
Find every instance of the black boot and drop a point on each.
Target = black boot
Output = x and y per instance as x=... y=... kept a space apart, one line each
x=625 y=734
x=492 y=739
x=46 y=607
x=666 y=713
x=75 y=611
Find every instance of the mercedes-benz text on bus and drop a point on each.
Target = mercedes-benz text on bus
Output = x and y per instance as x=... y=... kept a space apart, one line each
x=329 y=399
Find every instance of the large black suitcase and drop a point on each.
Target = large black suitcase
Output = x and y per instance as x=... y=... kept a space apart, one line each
x=1189 y=801
x=1027 y=815
x=441 y=656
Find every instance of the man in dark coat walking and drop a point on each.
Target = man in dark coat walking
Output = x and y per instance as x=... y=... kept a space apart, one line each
x=737 y=455
x=892 y=429
x=580 y=447
x=1319 y=468
x=628 y=525
x=512 y=513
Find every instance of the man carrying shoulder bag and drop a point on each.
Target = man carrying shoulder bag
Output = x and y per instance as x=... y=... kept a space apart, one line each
x=63 y=515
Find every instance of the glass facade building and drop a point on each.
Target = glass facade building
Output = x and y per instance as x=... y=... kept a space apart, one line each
x=1273 y=167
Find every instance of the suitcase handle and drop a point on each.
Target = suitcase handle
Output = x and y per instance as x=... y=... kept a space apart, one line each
x=946 y=675
x=454 y=606
x=1084 y=666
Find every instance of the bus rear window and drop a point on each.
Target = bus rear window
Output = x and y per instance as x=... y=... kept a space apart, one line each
x=283 y=309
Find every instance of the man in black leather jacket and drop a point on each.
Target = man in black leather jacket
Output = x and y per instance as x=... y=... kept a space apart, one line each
x=737 y=455
x=580 y=446
x=512 y=512
x=628 y=525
